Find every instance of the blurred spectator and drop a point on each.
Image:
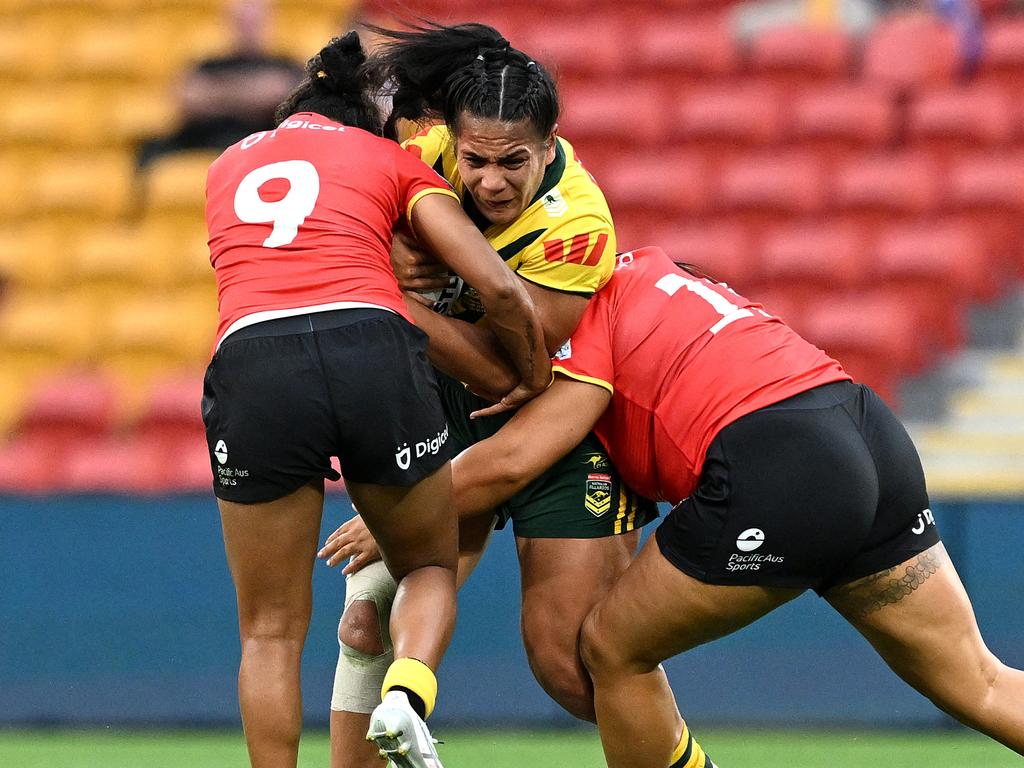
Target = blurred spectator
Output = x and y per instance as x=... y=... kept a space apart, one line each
x=224 y=99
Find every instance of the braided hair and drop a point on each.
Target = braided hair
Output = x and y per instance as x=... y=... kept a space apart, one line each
x=438 y=71
x=337 y=86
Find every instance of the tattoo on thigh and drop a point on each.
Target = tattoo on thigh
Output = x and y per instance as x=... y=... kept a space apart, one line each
x=872 y=593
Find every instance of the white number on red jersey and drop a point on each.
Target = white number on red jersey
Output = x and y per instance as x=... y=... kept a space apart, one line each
x=288 y=213
x=730 y=313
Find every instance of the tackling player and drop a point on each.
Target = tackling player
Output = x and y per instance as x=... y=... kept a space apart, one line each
x=540 y=209
x=786 y=476
x=314 y=336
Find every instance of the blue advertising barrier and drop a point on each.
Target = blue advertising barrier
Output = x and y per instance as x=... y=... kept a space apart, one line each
x=121 y=610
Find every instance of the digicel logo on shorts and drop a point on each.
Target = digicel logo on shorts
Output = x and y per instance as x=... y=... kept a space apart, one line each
x=404 y=454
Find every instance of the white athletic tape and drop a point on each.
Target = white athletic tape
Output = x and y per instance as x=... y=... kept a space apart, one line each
x=358 y=676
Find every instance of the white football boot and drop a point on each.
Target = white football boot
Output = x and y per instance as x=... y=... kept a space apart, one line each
x=401 y=734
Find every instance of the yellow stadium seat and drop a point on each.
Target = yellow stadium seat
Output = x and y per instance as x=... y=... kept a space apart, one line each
x=177 y=182
x=14 y=203
x=33 y=255
x=61 y=115
x=182 y=248
x=97 y=183
x=118 y=255
x=138 y=112
x=15 y=384
x=60 y=327
x=180 y=327
x=21 y=43
x=301 y=31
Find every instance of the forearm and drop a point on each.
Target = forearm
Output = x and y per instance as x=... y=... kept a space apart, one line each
x=517 y=325
x=469 y=353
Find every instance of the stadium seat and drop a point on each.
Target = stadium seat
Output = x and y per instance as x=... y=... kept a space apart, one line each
x=910 y=50
x=575 y=44
x=95 y=183
x=124 y=255
x=950 y=120
x=660 y=184
x=62 y=115
x=839 y=119
x=70 y=406
x=170 y=411
x=33 y=256
x=112 y=464
x=937 y=267
x=178 y=328
x=720 y=250
x=805 y=259
x=879 y=187
x=684 y=49
x=719 y=119
x=139 y=112
x=176 y=183
x=1002 y=59
x=28 y=465
x=59 y=327
x=988 y=190
x=873 y=335
x=800 y=55
x=767 y=188
x=607 y=118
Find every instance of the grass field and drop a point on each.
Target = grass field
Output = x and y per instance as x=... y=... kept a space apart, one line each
x=497 y=749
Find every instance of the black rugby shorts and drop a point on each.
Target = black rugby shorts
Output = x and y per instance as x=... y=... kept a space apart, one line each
x=283 y=396
x=818 y=490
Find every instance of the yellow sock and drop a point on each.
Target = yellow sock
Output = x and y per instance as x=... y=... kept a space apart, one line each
x=415 y=676
x=688 y=753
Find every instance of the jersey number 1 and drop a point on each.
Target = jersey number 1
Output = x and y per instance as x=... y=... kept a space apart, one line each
x=730 y=313
x=288 y=213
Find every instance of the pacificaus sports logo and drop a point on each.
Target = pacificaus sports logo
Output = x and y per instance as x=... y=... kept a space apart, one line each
x=226 y=476
x=751 y=540
x=404 y=453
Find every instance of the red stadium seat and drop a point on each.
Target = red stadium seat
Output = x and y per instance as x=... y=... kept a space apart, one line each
x=71 y=406
x=656 y=183
x=110 y=465
x=938 y=268
x=875 y=188
x=801 y=54
x=688 y=50
x=171 y=410
x=767 y=188
x=874 y=336
x=807 y=258
x=988 y=189
x=611 y=117
x=1002 y=59
x=718 y=119
x=722 y=250
x=838 y=119
x=28 y=465
x=577 y=44
x=948 y=120
x=910 y=50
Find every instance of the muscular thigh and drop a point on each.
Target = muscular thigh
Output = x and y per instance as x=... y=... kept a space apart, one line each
x=656 y=611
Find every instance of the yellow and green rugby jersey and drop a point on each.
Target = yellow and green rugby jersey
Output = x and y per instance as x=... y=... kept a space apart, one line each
x=564 y=239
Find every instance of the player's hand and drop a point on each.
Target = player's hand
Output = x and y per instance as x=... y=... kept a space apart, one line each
x=415 y=269
x=521 y=395
x=352 y=540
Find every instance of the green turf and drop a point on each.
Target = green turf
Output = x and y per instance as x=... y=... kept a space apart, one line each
x=495 y=749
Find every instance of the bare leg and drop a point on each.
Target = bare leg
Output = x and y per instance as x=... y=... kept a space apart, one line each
x=418 y=538
x=653 y=613
x=271 y=549
x=920 y=620
x=562 y=580
x=349 y=748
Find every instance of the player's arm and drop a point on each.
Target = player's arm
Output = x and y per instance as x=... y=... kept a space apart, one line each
x=541 y=433
x=439 y=223
x=469 y=353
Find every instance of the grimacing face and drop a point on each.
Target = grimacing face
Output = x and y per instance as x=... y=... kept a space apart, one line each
x=502 y=164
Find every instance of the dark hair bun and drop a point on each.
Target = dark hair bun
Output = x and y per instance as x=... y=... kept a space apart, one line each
x=338 y=66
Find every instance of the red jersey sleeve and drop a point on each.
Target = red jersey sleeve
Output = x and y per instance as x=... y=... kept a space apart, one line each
x=416 y=180
x=587 y=355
